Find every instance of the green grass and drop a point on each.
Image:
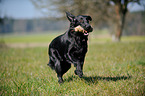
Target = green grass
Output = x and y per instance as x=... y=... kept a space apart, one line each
x=110 y=69
x=29 y=38
x=97 y=36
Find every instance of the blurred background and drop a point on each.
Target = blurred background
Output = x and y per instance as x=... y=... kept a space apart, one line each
x=115 y=61
x=114 y=17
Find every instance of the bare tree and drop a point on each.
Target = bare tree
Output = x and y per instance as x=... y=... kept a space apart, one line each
x=121 y=11
x=95 y=8
x=100 y=10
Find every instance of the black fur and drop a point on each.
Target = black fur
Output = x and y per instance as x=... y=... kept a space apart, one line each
x=70 y=47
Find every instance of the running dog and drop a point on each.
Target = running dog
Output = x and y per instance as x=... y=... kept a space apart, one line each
x=70 y=47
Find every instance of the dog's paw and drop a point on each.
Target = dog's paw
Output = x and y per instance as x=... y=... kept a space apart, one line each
x=79 y=73
x=60 y=81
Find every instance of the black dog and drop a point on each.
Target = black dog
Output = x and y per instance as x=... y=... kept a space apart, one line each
x=70 y=47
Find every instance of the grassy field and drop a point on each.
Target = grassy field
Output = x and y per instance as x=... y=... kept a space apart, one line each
x=116 y=69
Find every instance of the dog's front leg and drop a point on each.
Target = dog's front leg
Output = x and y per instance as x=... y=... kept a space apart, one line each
x=79 y=69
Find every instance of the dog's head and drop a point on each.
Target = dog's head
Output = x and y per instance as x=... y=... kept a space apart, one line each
x=80 y=23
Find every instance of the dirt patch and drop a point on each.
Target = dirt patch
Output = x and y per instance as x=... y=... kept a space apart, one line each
x=27 y=45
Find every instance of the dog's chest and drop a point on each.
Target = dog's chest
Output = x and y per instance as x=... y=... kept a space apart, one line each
x=77 y=53
x=81 y=41
x=79 y=48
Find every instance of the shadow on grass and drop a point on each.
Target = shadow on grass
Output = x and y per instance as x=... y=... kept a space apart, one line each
x=116 y=78
x=95 y=79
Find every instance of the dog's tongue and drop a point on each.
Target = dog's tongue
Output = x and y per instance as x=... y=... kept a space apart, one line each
x=86 y=33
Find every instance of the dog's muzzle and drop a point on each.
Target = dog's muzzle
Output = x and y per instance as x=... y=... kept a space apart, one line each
x=89 y=28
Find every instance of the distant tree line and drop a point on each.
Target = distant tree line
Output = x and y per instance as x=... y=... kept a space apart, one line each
x=6 y=25
x=11 y=25
x=134 y=25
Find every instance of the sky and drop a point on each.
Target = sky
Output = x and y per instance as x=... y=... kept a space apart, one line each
x=24 y=9
x=19 y=9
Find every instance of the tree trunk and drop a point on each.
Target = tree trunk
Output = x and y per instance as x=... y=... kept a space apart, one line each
x=121 y=10
x=118 y=23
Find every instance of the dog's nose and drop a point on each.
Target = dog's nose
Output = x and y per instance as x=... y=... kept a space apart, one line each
x=88 y=27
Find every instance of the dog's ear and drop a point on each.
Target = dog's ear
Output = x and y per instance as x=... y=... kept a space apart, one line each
x=70 y=16
x=89 y=18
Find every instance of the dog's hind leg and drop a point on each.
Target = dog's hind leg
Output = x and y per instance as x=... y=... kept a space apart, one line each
x=58 y=70
x=55 y=63
x=53 y=55
x=61 y=68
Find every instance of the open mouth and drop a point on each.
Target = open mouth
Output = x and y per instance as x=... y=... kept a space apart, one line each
x=81 y=29
x=85 y=33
